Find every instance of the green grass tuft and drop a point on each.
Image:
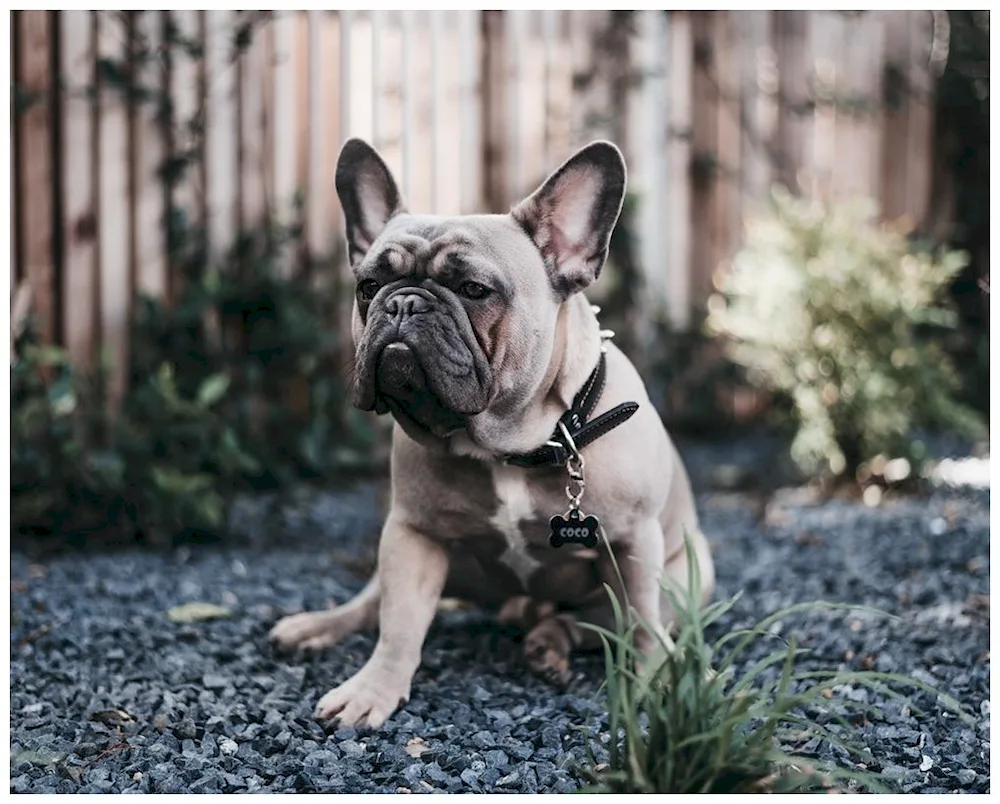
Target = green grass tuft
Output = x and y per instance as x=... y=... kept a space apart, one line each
x=697 y=719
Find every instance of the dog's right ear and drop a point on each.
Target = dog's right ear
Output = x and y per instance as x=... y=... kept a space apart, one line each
x=368 y=195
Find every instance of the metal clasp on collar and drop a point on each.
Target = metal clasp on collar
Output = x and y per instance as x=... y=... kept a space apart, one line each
x=575 y=463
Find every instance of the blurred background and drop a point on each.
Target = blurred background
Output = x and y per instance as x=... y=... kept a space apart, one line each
x=179 y=286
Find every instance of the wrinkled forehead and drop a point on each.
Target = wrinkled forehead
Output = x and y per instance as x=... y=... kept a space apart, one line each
x=493 y=238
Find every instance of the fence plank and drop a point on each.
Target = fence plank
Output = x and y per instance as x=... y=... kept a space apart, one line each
x=728 y=195
x=283 y=154
x=791 y=28
x=704 y=139
x=15 y=262
x=550 y=30
x=387 y=102
x=317 y=223
x=254 y=70
x=149 y=194
x=920 y=126
x=334 y=87
x=560 y=84
x=419 y=162
x=300 y=69
x=895 y=127
x=37 y=204
x=450 y=125
x=185 y=90
x=824 y=73
x=647 y=148
x=678 y=224
x=759 y=89
x=114 y=238
x=515 y=22
x=221 y=146
x=436 y=86
x=378 y=75
x=470 y=62
x=407 y=24
x=860 y=82
x=78 y=213
x=494 y=77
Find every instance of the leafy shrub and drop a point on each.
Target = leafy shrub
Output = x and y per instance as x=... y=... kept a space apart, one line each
x=234 y=386
x=692 y=722
x=847 y=319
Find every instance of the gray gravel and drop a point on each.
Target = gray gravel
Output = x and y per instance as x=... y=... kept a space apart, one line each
x=205 y=707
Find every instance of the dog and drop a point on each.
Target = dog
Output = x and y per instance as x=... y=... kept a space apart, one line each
x=517 y=427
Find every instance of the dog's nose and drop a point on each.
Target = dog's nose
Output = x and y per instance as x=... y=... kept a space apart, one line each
x=403 y=305
x=399 y=371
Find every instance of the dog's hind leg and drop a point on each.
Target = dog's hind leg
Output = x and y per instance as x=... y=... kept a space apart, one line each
x=549 y=640
x=316 y=630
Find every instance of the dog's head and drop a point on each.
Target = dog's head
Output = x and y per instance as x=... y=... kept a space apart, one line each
x=456 y=317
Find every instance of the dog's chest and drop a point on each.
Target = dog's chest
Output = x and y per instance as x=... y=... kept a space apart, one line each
x=515 y=509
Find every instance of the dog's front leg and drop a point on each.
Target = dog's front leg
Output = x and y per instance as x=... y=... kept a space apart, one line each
x=640 y=561
x=412 y=573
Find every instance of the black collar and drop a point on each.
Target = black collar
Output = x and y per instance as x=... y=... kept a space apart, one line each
x=555 y=451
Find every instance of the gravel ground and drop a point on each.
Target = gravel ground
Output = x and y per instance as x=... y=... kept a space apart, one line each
x=205 y=707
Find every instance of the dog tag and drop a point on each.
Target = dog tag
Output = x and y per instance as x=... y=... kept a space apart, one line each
x=573 y=528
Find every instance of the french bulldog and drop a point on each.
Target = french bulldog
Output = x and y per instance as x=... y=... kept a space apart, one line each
x=473 y=333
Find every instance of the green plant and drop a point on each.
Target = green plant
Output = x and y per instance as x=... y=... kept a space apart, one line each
x=236 y=378
x=165 y=466
x=847 y=318
x=234 y=386
x=693 y=721
x=273 y=335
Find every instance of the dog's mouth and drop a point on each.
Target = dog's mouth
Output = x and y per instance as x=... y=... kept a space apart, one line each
x=402 y=389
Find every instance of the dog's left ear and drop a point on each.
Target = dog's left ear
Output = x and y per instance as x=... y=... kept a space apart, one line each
x=368 y=194
x=571 y=216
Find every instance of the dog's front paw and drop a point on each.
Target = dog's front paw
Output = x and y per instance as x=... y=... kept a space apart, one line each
x=366 y=700
x=311 y=630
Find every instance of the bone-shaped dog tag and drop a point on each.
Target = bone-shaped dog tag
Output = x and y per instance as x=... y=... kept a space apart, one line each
x=574 y=528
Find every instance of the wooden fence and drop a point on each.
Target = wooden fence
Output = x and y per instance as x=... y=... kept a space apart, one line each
x=470 y=110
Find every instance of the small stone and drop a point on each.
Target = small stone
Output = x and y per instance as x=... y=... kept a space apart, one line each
x=508 y=780
x=352 y=749
x=966 y=777
x=481 y=694
x=550 y=738
x=291 y=677
x=496 y=759
x=413 y=772
x=214 y=681
x=483 y=739
x=186 y=729
x=87 y=749
x=926 y=763
x=228 y=747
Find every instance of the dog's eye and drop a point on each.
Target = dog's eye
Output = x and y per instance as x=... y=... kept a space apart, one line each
x=473 y=290
x=367 y=290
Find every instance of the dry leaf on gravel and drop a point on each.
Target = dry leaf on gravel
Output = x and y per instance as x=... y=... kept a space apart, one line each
x=115 y=718
x=197 y=612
